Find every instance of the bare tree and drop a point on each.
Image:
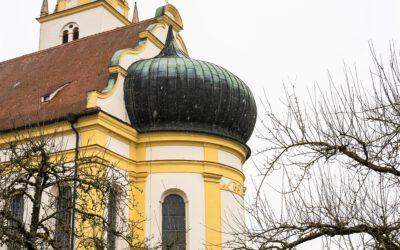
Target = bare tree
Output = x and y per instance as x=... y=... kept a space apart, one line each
x=338 y=156
x=38 y=205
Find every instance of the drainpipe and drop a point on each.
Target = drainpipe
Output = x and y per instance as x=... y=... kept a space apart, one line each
x=72 y=119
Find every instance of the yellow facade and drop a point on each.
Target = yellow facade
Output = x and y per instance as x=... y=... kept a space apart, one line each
x=116 y=7
x=120 y=5
x=94 y=130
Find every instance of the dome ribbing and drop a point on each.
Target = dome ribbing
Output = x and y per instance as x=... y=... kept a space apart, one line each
x=173 y=92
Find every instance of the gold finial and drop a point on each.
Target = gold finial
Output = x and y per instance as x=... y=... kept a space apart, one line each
x=45 y=8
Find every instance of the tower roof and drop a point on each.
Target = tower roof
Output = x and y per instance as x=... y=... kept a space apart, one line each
x=80 y=66
x=171 y=47
x=45 y=8
x=172 y=92
x=135 y=18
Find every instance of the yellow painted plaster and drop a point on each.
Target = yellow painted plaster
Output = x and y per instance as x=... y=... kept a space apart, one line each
x=94 y=95
x=213 y=211
x=94 y=130
x=169 y=22
x=114 y=3
x=90 y=5
x=117 y=69
x=232 y=146
x=149 y=37
x=139 y=199
x=152 y=38
x=175 y=13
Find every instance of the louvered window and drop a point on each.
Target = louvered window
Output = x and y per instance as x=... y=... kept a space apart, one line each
x=174 y=223
x=63 y=218
x=75 y=33
x=65 y=36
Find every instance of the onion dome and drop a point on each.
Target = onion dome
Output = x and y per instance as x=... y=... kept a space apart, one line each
x=172 y=92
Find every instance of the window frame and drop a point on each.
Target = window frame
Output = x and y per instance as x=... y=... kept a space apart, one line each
x=75 y=33
x=184 y=200
x=69 y=32
x=20 y=215
x=60 y=233
x=65 y=37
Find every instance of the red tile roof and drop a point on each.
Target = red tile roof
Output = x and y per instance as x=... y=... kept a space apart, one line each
x=81 y=65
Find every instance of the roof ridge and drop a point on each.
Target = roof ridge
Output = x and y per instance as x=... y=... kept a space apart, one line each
x=76 y=41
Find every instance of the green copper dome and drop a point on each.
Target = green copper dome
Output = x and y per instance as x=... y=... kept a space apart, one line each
x=173 y=92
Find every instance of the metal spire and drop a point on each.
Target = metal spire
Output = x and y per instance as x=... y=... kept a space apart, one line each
x=135 y=18
x=45 y=8
x=171 y=48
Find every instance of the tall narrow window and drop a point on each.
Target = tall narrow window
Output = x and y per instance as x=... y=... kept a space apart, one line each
x=112 y=218
x=174 y=223
x=65 y=36
x=17 y=213
x=76 y=33
x=63 y=218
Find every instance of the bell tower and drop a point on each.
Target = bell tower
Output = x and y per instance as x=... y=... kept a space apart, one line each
x=74 y=19
x=120 y=5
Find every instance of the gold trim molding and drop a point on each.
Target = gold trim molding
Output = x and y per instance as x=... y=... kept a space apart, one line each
x=81 y=8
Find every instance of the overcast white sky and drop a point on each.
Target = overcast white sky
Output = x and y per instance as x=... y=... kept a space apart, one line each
x=264 y=42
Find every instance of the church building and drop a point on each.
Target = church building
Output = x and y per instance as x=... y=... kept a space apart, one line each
x=177 y=125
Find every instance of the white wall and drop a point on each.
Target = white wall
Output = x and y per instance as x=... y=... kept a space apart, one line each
x=229 y=159
x=90 y=22
x=192 y=185
x=118 y=146
x=232 y=216
x=64 y=142
x=57 y=143
x=115 y=104
x=4 y=155
x=175 y=153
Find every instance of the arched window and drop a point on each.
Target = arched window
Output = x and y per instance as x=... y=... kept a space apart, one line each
x=17 y=212
x=173 y=223
x=112 y=218
x=65 y=36
x=75 y=34
x=63 y=217
x=17 y=207
x=70 y=32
